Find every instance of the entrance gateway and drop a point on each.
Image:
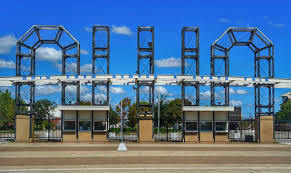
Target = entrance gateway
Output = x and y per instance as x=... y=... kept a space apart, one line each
x=198 y=123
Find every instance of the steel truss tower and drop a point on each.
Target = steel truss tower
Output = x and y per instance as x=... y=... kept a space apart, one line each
x=27 y=45
x=100 y=65
x=190 y=66
x=263 y=50
x=145 y=66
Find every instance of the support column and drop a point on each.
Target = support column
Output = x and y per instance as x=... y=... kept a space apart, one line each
x=266 y=129
x=24 y=125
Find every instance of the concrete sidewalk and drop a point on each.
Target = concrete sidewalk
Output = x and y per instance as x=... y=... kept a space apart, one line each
x=149 y=157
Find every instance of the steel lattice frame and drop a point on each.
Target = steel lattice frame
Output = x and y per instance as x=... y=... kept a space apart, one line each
x=145 y=51
x=23 y=44
x=263 y=49
x=191 y=53
x=101 y=52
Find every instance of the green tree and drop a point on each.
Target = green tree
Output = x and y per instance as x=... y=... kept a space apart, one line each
x=285 y=112
x=44 y=108
x=132 y=116
x=88 y=103
x=6 y=109
x=113 y=117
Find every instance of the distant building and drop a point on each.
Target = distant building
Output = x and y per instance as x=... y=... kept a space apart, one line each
x=286 y=97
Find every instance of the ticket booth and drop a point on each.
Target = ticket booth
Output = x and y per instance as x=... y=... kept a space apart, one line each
x=84 y=123
x=206 y=123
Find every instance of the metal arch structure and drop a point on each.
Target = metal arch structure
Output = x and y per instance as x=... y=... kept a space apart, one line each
x=263 y=50
x=145 y=66
x=26 y=49
x=190 y=53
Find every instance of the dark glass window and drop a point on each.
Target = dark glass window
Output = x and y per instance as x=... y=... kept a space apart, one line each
x=206 y=126
x=85 y=125
x=99 y=125
x=69 y=125
x=191 y=126
x=221 y=126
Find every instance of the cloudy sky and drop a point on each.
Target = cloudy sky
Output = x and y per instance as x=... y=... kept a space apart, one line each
x=168 y=18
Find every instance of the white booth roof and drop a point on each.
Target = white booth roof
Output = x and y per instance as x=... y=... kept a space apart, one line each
x=83 y=108
x=208 y=108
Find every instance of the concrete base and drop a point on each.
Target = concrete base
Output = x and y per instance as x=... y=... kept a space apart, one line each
x=146 y=130
x=99 y=137
x=23 y=128
x=206 y=137
x=221 y=137
x=69 y=137
x=266 y=129
x=84 y=137
x=122 y=147
x=191 y=137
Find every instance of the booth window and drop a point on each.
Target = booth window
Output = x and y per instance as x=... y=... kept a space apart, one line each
x=191 y=126
x=99 y=121
x=206 y=126
x=69 y=122
x=99 y=125
x=84 y=122
x=221 y=126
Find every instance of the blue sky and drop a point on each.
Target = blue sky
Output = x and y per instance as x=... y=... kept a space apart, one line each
x=168 y=18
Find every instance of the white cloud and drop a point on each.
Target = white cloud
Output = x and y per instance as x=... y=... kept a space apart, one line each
x=278 y=25
x=224 y=20
x=163 y=91
x=47 y=90
x=235 y=102
x=86 y=68
x=116 y=90
x=48 y=54
x=113 y=90
x=169 y=62
x=241 y=91
x=124 y=30
x=7 y=64
x=6 y=43
x=205 y=95
x=84 y=52
x=88 y=29
x=277 y=100
x=233 y=91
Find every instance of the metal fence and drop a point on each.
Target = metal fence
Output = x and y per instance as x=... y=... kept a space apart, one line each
x=48 y=129
x=7 y=130
x=129 y=134
x=242 y=131
x=282 y=130
x=171 y=134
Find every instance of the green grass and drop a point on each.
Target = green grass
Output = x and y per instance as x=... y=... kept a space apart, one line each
x=164 y=130
x=117 y=130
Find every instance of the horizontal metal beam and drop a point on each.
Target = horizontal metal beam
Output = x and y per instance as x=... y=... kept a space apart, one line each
x=132 y=79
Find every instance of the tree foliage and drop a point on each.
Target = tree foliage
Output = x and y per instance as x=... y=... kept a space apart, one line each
x=44 y=109
x=6 y=108
x=285 y=111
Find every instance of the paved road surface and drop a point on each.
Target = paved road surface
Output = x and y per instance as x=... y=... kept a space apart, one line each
x=161 y=157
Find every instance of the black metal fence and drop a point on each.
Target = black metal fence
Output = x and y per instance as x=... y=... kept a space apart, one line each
x=48 y=129
x=282 y=130
x=242 y=131
x=7 y=130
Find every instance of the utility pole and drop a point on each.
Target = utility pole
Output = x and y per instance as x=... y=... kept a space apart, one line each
x=122 y=146
x=121 y=118
x=159 y=110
